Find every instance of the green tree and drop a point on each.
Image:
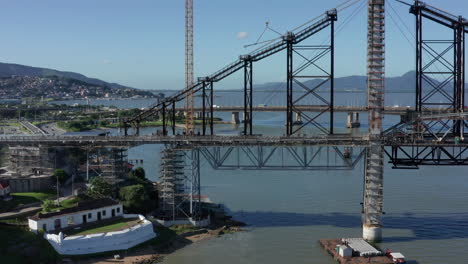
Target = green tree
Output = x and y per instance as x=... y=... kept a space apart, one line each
x=61 y=175
x=48 y=206
x=99 y=188
x=104 y=123
x=134 y=198
x=138 y=174
x=76 y=157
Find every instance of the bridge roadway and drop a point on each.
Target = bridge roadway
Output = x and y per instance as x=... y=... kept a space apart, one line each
x=390 y=110
x=129 y=141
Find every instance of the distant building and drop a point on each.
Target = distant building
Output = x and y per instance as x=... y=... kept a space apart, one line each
x=84 y=212
x=5 y=190
x=29 y=169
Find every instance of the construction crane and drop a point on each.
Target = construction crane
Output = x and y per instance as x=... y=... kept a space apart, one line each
x=189 y=114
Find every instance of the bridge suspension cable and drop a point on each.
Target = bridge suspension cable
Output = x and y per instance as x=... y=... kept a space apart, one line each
x=338 y=8
x=340 y=27
x=395 y=22
x=261 y=53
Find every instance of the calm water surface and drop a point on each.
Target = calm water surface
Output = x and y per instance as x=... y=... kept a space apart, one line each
x=288 y=211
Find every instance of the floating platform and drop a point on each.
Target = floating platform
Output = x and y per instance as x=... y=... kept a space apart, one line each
x=330 y=246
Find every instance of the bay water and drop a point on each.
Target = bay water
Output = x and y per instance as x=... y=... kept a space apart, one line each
x=287 y=212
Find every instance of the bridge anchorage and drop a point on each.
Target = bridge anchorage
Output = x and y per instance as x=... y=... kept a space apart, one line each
x=431 y=134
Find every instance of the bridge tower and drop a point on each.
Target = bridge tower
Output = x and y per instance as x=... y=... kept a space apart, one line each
x=373 y=183
x=189 y=118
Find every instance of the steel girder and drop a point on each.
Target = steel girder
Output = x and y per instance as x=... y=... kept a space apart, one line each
x=440 y=64
x=256 y=55
x=298 y=91
x=411 y=157
x=436 y=127
x=282 y=157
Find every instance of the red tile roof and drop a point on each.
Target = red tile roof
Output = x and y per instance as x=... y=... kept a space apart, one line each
x=4 y=185
x=81 y=206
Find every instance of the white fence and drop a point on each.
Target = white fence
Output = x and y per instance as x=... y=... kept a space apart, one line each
x=118 y=240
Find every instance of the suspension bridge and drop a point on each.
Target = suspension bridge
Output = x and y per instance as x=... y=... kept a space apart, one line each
x=430 y=133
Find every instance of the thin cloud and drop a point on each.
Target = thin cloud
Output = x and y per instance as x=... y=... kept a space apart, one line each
x=242 y=35
x=106 y=61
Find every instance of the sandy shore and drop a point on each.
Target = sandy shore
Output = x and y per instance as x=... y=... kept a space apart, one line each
x=151 y=254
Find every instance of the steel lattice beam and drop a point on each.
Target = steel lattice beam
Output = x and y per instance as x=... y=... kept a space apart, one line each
x=257 y=55
x=440 y=64
x=298 y=91
x=412 y=157
x=282 y=157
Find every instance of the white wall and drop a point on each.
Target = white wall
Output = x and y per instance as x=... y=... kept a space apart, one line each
x=119 y=240
x=32 y=224
x=77 y=218
x=5 y=191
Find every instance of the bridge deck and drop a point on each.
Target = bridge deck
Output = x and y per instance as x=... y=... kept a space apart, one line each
x=128 y=141
x=389 y=110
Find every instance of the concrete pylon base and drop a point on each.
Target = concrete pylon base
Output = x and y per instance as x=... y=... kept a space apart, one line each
x=372 y=233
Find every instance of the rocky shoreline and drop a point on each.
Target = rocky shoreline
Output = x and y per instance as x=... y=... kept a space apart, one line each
x=155 y=253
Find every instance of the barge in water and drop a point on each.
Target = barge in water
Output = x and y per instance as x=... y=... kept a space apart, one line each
x=358 y=251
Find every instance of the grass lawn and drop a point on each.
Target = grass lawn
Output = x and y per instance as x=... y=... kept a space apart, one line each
x=104 y=227
x=32 y=197
x=22 y=246
x=36 y=123
x=67 y=203
x=24 y=198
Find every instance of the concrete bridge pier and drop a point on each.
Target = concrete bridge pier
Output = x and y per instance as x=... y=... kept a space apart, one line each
x=298 y=119
x=373 y=192
x=244 y=118
x=235 y=118
x=353 y=120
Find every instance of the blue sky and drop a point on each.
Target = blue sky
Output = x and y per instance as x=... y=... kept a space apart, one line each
x=140 y=43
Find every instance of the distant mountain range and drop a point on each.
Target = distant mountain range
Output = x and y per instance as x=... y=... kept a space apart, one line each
x=10 y=69
x=19 y=81
x=404 y=83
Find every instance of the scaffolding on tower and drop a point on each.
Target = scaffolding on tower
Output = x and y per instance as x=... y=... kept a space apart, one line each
x=189 y=114
x=373 y=184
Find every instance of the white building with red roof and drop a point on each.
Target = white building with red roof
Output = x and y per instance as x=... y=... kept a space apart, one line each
x=5 y=190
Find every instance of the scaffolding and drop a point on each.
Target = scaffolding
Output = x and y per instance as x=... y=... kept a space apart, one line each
x=26 y=161
x=373 y=182
x=179 y=189
x=110 y=164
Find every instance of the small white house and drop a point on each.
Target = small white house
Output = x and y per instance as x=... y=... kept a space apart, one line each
x=345 y=251
x=84 y=212
x=5 y=190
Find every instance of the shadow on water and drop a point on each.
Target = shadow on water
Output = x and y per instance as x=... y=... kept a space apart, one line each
x=424 y=227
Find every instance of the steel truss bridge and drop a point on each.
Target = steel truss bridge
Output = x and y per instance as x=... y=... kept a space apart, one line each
x=389 y=110
x=433 y=133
